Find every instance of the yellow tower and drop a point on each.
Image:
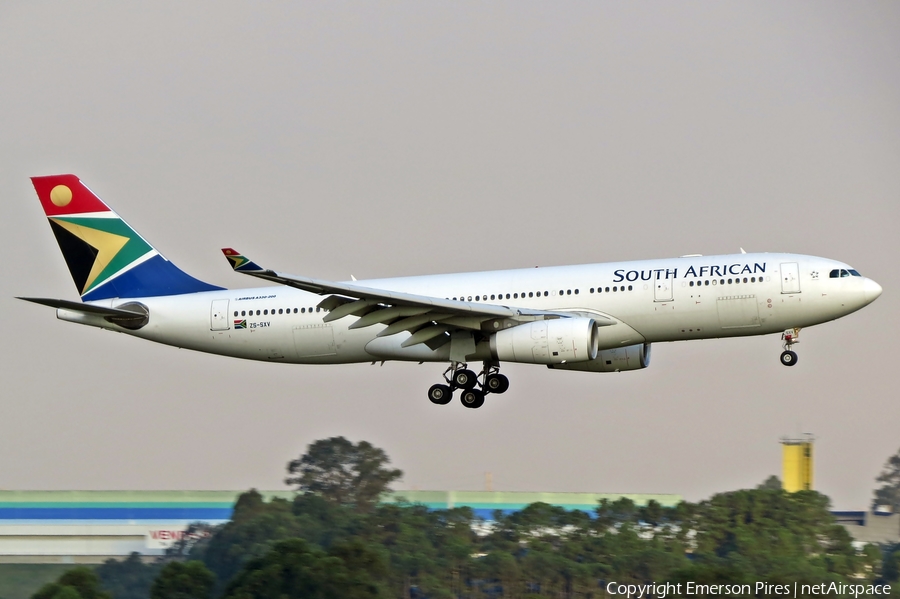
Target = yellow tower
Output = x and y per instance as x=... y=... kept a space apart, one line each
x=797 y=464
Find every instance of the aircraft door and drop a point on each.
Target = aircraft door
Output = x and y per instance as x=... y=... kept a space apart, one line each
x=218 y=315
x=790 y=277
x=662 y=288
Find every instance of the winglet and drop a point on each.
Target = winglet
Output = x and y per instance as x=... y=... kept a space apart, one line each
x=239 y=262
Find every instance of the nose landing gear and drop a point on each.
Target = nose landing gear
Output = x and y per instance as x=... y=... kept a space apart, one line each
x=474 y=387
x=790 y=337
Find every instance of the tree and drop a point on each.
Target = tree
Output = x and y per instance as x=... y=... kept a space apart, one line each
x=255 y=524
x=78 y=583
x=771 y=535
x=773 y=483
x=129 y=578
x=183 y=580
x=891 y=568
x=293 y=569
x=343 y=473
x=889 y=492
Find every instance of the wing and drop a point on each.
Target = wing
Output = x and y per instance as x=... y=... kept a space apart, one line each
x=428 y=318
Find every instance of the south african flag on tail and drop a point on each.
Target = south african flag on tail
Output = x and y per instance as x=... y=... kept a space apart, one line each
x=239 y=262
x=106 y=257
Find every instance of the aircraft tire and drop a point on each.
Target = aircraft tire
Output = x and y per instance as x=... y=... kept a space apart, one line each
x=465 y=379
x=440 y=394
x=472 y=398
x=789 y=358
x=496 y=383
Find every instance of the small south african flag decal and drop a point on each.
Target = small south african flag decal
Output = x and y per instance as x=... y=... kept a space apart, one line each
x=240 y=324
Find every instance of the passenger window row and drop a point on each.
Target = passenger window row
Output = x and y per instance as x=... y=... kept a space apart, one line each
x=280 y=311
x=725 y=281
x=500 y=296
x=531 y=294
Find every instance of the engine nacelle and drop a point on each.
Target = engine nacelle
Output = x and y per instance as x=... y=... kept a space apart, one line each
x=617 y=359
x=557 y=341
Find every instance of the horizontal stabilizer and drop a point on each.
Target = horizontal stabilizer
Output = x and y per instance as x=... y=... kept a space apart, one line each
x=132 y=315
x=80 y=307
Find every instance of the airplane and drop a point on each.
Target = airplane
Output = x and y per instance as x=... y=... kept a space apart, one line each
x=589 y=318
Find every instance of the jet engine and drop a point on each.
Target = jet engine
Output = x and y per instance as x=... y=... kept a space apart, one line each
x=557 y=341
x=617 y=359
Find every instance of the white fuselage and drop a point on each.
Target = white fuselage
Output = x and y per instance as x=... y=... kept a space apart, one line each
x=698 y=297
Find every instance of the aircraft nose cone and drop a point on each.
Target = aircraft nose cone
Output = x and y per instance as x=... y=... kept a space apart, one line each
x=872 y=290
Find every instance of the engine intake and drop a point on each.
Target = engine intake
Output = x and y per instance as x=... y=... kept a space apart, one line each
x=557 y=341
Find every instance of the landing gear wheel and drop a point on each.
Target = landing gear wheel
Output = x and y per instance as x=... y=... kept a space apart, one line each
x=472 y=398
x=440 y=394
x=788 y=358
x=465 y=379
x=496 y=383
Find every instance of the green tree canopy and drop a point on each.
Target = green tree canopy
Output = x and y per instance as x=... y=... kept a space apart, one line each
x=889 y=492
x=772 y=535
x=255 y=524
x=129 y=578
x=77 y=583
x=183 y=580
x=343 y=472
x=773 y=483
x=293 y=569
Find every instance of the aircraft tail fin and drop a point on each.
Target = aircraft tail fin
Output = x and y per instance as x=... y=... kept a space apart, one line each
x=106 y=257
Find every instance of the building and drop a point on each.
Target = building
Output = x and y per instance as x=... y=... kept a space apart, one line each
x=880 y=527
x=93 y=526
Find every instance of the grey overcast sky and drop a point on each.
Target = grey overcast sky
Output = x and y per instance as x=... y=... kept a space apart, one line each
x=401 y=138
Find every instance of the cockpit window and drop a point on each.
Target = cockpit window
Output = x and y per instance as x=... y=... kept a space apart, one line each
x=843 y=272
x=854 y=273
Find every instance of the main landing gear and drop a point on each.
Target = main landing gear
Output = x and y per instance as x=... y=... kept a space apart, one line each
x=474 y=386
x=789 y=357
